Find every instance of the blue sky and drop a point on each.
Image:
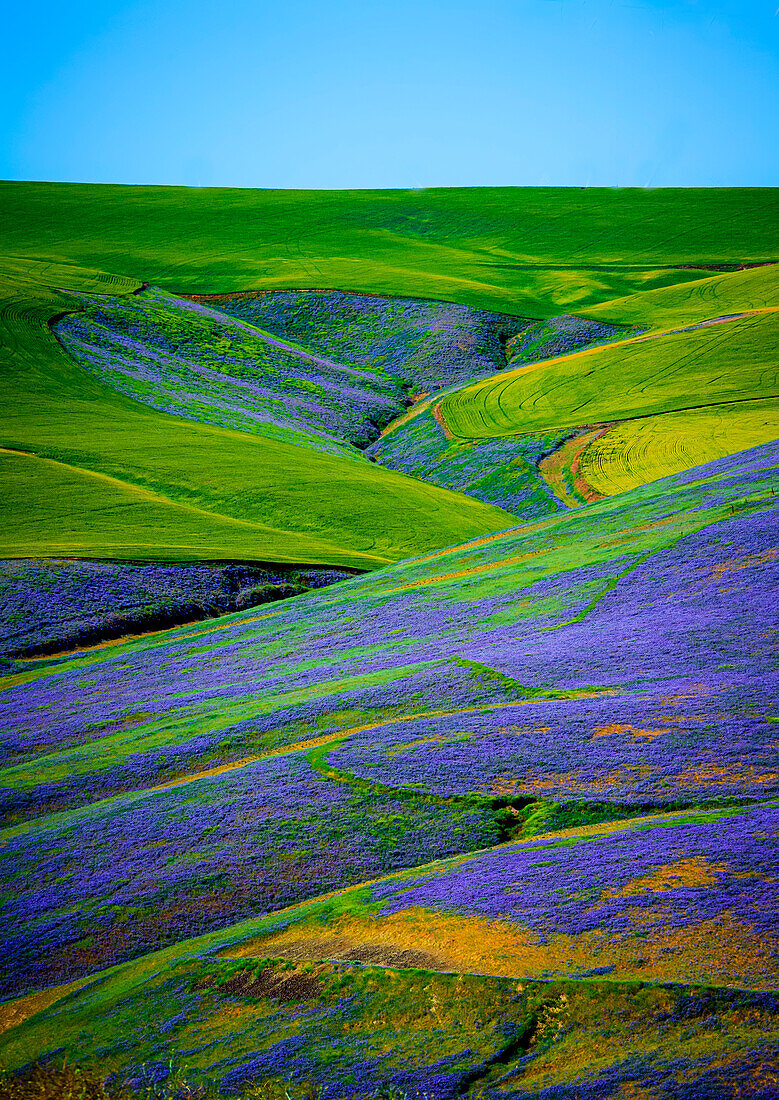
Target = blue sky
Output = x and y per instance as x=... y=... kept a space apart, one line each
x=405 y=93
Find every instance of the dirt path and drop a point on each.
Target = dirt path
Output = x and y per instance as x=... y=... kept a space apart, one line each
x=565 y=459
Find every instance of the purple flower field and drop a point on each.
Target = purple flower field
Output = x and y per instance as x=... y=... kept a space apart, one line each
x=561 y=336
x=429 y=345
x=499 y=471
x=641 y=611
x=337 y=369
x=51 y=605
x=695 y=871
x=634 y=749
x=547 y=754
x=617 y=674
x=192 y=361
x=125 y=876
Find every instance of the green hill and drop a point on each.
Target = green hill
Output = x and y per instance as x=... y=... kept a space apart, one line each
x=368 y=986
x=528 y=250
x=689 y=303
x=493 y=818
x=87 y=471
x=700 y=385
x=708 y=366
x=110 y=477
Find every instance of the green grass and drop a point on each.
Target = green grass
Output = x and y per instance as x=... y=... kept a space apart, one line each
x=638 y=451
x=112 y=478
x=365 y=1026
x=217 y=1001
x=686 y=303
x=528 y=250
x=194 y=493
x=704 y=367
x=101 y=475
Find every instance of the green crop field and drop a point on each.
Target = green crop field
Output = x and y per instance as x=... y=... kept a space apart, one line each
x=700 y=392
x=139 y=483
x=638 y=451
x=533 y=251
x=710 y=366
x=142 y=484
x=717 y=295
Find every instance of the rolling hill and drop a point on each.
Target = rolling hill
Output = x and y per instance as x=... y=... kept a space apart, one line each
x=597 y=409
x=110 y=477
x=484 y=805
x=181 y=491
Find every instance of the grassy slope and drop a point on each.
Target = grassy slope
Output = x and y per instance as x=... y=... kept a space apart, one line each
x=528 y=669
x=219 y=1010
x=638 y=451
x=371 y=1026
x=685 y=304
x=110 y=477
x=699 y=395
x=707 y=366
x=510 y=600
x=533 y=251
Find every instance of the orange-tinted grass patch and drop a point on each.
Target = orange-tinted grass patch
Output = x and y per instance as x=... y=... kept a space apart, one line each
x=415 y=410
x=107 y=644
x=695 y=871
x=283 y=750
x=749 y=561
x=13 y=1013
x=489 y=567
x=511 y=532
x=654 y=523
x=438 y=416
x=633 y=731
x=573 y=781
x=734 y=773
x=693 y=691
x=719 y=951
x=567 y=457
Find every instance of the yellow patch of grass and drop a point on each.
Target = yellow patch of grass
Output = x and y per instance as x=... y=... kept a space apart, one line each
x=694 y=871
x=13 y=1013
x=732 y=773
x=719 y=951
x=617 y=728
x=638 y=451
x=574 y=781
